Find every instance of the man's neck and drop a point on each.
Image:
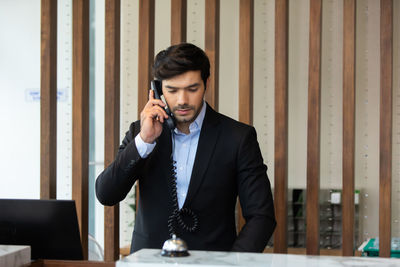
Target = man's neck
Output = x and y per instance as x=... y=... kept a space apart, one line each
x=183 y=127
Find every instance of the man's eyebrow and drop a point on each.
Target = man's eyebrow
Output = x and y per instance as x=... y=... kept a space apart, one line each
x=189 y=86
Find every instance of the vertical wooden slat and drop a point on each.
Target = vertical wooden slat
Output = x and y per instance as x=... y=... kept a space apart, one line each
x=349 y=20
x=80 y=115
x=48 y=100
x=281 y=124
x=212 y=8
x=313 y=129
x=145 y=57
x=178 y=21
x=146 y=50
x=385 y=137
x=246 y=29
x=111 y=118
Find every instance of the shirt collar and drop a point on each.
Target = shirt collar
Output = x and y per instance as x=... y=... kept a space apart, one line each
x=198 y=122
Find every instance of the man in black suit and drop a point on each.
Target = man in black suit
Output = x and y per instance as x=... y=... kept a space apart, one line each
x=190 y=176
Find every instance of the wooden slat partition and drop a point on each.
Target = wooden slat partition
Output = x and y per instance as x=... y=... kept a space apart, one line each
x=212 y=9
x=313 y=129
x=385 y=137
x=48 y=100
x=246 y=32
x=80 y=115
x=111 y=118
x=281 y=123
x=146 y=51
x=349 y=37
x=145 y=57
x=178 y=21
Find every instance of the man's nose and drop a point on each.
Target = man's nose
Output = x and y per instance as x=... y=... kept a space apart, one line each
x=182 y=97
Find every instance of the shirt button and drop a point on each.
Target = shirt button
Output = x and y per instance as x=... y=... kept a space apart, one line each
x=180 y=168
x=184 y=145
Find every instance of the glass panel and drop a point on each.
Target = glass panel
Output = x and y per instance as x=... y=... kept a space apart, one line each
x=367 y=115
x=298 y=101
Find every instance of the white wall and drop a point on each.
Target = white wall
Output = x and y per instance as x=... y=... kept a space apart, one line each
x=19 y=105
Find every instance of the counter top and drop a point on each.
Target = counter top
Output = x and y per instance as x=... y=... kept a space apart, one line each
x=14 y=256
x=152 y=257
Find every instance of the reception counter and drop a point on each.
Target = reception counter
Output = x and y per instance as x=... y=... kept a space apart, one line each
x=152 y=257
x=14 y=256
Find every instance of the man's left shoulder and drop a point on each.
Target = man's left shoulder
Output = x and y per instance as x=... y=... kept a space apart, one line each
x=232 y=124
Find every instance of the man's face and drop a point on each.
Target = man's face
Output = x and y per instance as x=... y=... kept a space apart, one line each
x=184 y=94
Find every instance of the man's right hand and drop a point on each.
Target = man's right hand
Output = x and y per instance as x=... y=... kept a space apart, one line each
x=151 y=119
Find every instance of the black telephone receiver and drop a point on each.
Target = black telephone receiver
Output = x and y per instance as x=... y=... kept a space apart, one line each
x=156 y=86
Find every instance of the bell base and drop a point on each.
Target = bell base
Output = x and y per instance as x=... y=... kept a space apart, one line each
x=173 y=254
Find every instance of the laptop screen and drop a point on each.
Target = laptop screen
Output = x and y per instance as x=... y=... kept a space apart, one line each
x=50 y=227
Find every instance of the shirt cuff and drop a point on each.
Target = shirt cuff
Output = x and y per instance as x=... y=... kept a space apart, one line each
x=143 y=148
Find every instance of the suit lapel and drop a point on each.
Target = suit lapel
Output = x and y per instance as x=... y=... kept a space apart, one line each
x=205 y=148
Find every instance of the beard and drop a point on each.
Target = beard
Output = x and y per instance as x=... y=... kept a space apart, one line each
x=186 y=119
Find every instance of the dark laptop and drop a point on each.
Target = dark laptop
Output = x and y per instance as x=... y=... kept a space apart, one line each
x=50 y=227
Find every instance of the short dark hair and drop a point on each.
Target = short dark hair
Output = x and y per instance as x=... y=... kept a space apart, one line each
x=178 y=59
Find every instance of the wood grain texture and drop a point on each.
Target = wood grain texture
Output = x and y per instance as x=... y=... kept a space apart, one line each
x=314 y=129
x=69 y=263
x=145 y=58
x=111 y=117
x=146 y=51
x=281 y=124
x=349 y=37
x=385 y=137
x=80 y=115
x=246 y=32
x=212 y=17
x=48 y=100
x=178 y=21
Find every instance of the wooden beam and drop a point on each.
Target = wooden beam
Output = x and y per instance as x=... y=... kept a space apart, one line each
x=48 y=100
x=80 y=115
x=212 y=10
x=246 y=30
x=145 y=58
x=314 y=129
x=146 y=51
x=178 y=21
x=385 y=137
x=281 y=124
x=111 y=118
x=349 y=41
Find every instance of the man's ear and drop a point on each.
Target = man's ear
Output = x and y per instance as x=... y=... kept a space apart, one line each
x=207 y=83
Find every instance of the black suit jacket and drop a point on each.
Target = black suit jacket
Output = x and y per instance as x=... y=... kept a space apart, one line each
x=228 y=163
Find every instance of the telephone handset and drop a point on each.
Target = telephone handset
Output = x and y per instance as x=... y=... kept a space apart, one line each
x=156 y=86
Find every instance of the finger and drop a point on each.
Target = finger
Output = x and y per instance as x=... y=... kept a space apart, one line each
x=155 y=102
x=159 y=111
x=151 y=94
x=154 y=113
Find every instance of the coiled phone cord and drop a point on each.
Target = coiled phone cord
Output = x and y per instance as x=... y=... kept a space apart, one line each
x=177 y=213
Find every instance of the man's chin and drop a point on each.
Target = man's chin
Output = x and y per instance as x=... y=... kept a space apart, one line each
x=184 y=119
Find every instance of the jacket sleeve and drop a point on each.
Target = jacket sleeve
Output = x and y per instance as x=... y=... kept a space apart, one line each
x=114 y=183
x=255 y=197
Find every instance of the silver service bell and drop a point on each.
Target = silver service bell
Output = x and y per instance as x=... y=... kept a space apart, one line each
x=174 y=247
